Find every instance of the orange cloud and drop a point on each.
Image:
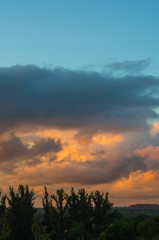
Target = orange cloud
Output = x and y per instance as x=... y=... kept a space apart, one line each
x=155 y=129
x=150 y=151
x=108 y=139
x=136 y=180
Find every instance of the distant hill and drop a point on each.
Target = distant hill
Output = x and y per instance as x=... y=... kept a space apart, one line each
x=133 y=210
x=144 y=206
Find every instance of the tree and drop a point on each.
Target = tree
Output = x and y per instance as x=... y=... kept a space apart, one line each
x=73 y=206
x=101 y=211
x=122 y=229
x=60 y=210
x=2 y=203
x=2 y=208
x=50 y=216
x=85 y=213
x=146 y=228
x=47 y=205
x=78 y=232
x=21 y=211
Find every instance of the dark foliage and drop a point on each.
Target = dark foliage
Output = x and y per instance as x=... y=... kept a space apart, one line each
x=74 y=216
x=20 y=212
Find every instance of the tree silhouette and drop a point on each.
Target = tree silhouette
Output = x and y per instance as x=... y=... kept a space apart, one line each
x=21 y=211
x=47 y=205
x=73 y=206
x=2 y=209
x=101 y=211
x=60 y=200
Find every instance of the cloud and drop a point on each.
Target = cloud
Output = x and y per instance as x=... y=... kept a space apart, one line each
x=61 y=126
x=128 y=67
x=44 y=146
x=13 y=151
x=97 y=171
x=85 y=101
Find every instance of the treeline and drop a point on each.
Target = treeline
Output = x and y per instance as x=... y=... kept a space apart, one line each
x=73 y=216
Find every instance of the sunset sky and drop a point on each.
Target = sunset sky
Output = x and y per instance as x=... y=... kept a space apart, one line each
x=79 y=97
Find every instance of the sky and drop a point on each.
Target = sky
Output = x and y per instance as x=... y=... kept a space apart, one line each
x=79 y=97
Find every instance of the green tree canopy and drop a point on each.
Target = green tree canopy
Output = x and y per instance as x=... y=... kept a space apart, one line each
x=21 y=211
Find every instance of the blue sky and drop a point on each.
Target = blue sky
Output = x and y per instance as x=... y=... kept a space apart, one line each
x=75 y=34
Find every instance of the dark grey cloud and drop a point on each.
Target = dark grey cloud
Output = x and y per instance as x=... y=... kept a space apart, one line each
x=128 y=67
x=97 y=153
x=13 y=151
x=102 y=170
x=89 y=173
x=44 y=146
x=86 y=101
